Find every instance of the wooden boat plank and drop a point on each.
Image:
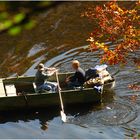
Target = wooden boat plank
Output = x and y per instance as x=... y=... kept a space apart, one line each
x=10 y=90
x=12 y=103
x=2 y=90
x=52 y=99
x=49 y=99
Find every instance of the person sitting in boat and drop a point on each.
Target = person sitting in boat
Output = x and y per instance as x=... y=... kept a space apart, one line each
x=78 y=78
x=40 y=79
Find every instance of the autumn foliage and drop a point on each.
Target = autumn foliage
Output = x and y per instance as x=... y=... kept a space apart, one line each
x=116 y=25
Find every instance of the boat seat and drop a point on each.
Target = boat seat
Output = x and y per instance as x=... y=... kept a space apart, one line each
x=10 y=90
x=25 y=87
x=2 y=90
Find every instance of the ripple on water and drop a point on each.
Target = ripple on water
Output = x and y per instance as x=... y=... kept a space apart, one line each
x=63 y=61
x=116 y=113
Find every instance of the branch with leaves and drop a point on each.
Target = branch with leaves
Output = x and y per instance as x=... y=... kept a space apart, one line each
x=17 y=16
x=118 y=26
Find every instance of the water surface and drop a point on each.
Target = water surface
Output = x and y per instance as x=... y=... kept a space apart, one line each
x=60 y=37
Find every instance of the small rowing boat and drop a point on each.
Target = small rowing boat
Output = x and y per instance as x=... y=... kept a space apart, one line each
x=17 y=93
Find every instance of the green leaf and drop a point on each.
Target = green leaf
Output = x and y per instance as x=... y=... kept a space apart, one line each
x=7 y=24
x=14 y=30
x=30 y=24
x=19 y=17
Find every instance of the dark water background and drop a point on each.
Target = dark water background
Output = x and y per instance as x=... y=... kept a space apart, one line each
x=59 y=37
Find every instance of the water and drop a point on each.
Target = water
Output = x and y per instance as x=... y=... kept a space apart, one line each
x=59 y=38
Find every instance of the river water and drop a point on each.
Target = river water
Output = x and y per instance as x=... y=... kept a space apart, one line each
x=59 y=37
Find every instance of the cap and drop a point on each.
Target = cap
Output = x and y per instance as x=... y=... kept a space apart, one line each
x=41 y=66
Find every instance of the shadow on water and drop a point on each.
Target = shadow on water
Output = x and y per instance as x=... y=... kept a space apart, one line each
x=45 y=114
x=27 y=115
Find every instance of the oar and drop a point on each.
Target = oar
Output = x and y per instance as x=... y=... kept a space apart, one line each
x=63 y=115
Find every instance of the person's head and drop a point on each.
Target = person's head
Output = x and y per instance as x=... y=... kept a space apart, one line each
x=40 y=67
x=75 y=64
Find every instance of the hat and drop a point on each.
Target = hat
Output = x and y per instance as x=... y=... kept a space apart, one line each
x=41 y=66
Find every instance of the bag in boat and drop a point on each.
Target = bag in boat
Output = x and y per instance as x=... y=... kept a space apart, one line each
x=97 y=76
x=91 y=73
x=98 y=71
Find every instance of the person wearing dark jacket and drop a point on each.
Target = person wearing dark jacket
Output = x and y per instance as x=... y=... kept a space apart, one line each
x=40 y=79
x=78 y=78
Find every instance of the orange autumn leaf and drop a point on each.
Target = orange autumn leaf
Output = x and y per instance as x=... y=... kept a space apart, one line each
x=114 y=24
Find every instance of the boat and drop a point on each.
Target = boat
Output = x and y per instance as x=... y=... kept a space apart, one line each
x=19 y=92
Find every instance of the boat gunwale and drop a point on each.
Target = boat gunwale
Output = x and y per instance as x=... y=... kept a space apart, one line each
x=30 y=80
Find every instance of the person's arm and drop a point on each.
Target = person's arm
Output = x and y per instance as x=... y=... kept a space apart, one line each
x=45 y=75
x=50 y=71
x=74 y=77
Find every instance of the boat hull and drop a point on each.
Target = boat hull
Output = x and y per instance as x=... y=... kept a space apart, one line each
x=26 y=98
x=49 y=99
